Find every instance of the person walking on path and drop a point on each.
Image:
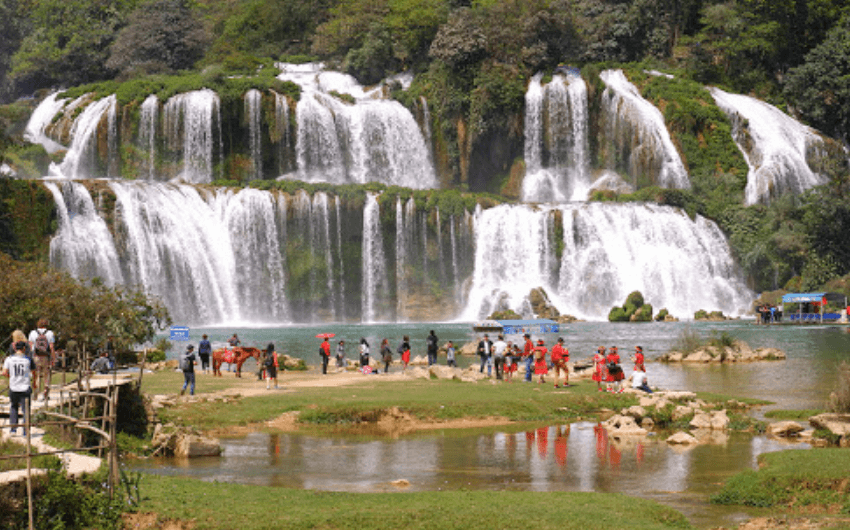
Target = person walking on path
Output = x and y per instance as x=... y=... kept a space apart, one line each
x=187 y=364
x=432 y=341
x=540 y=366
x=560 y=358
x=41 y=341
x=204 y=351
x=499 y=348
x=485 y=351
x=386 y=355
x=18 y=368
x=450 y=354
x=528 y=354
x=599 y=373
x=404 y=350
x=325 y=352
x=270 y=363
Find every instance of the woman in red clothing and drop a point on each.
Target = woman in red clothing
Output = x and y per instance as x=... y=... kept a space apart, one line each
x=540 y=367
x=560 y=356
x=638 y=358
x=599 y=373
x=615 y=373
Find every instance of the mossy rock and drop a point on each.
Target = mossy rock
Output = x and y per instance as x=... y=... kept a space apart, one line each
x=662 y=314
x=618 y=314
x=507 y=314
x=635 y=298
x=643 y=314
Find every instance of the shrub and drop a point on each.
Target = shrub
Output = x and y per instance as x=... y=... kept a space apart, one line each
x=701 y=314
x=688 y=341
x=721 y=340
x=155 y=356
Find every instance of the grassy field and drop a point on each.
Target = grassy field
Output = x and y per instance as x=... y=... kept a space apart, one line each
x=227 y=506
x=793 y=479
x=423 y=399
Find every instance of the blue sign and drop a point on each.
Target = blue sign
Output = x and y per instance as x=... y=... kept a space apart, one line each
x=179 y=333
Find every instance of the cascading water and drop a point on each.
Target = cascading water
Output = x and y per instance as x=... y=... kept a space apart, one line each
x=82 y=157
x=777 y=148
x=253 y=112
x=280 y=133
x=556 y=141
x=40 y=119
x=609 y=250
x=82 y=245
x=637 y=139
x=375 y=288
x=365 y=140
x=190 y=123
x=148 y=114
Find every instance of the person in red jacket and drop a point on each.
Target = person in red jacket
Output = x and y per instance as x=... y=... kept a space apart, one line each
x=599 y=373
x=540 y=366
x=325 y=352
x=560 y=357
x=615 y=372
x=528 y=355
x=638 y=358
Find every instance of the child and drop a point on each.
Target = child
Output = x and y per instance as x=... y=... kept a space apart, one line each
x=450 y=354
x=540 y=367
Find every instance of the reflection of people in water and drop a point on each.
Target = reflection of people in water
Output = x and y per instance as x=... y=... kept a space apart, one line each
x=601 y=441
x=561 y=446
x=543 y=442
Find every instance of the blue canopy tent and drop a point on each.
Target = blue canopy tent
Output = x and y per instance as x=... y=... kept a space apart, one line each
x=811 y=307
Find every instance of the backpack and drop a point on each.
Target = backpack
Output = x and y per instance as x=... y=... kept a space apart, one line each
x=400 y=349
x=185 y=362
x=270 y=360
x=42 y=345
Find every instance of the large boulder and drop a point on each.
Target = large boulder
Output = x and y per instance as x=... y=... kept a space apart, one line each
x=444 y=372
x=682 y=438
x=619 y=425
x=837 y=424
x=785 y=429
x=541 y=305
x=193 y=446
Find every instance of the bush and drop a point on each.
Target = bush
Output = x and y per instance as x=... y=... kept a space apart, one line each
x=155 y=356
x=721 y=340
x=688 y=341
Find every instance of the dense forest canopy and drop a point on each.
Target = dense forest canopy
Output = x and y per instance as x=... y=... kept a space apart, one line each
x=473 y=59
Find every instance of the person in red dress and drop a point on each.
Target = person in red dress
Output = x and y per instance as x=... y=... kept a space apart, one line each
x=540 y=367
x=560 y=356
x=599 y=373
x=638 y=358
x=615 y=375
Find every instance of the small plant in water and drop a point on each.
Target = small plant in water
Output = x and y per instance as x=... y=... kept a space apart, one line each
x=688 y=341
x=839 y=401
x=721 y=340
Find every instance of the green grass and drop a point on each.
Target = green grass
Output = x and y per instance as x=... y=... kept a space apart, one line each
x=8 y=448
x=795 y=415
x=227 y=506
x=792 y=479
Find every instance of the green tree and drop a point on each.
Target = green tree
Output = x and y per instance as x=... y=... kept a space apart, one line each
x=820 y=87
x=161 y=35
x=461 y=41
x=89 y=311
x=69 y=43
x=12 y=31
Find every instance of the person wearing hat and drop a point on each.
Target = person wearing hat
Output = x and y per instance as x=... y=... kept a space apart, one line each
x=187 y=364
x=540 y=366
x=204 y=352
x=560 y=357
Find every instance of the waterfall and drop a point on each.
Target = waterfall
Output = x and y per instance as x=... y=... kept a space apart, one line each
x=374 y=266
x=556 y=140
x=609 y=250
x=401 y=252
x=777 y=148
x=323 y=246
x=82 y=245
x=148 y=114
x=280 y=132
x=190 y=122
x=365 y=139
x=40 y=119
x=637 y=138
x=339 y=259
x=81 y=159
x=253 y=112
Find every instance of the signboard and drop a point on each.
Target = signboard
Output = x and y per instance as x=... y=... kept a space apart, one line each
x=179 y=333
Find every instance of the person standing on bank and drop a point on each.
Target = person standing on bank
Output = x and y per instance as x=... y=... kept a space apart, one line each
x=499 y=348
x=528 y=354
x=386 y=355
x=450 y=354
x=187 y=364
x=41 y=341
x=364 y=352
x=204 y=351
x=431 y=341
x=485 y=351
x=18 y=368
x=340 y=354
x=404 y=350
x=325 y=352
x=270 y=363
x=560 y=358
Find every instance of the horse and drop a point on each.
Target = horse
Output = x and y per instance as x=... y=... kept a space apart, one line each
x=239 y=356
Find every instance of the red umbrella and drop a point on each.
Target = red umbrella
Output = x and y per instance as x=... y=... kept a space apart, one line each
x=325 y=335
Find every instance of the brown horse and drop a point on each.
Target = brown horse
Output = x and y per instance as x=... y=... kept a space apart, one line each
x=239 y=354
